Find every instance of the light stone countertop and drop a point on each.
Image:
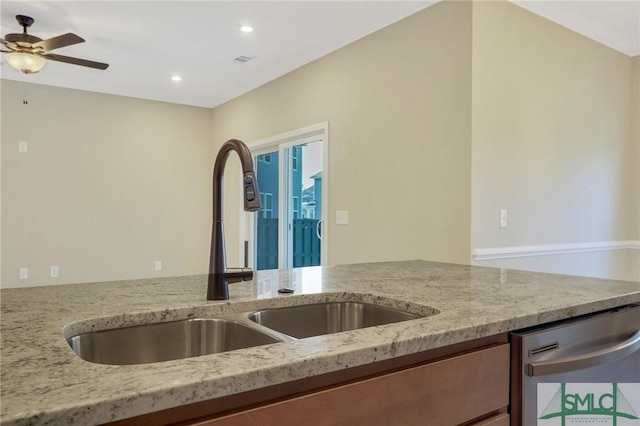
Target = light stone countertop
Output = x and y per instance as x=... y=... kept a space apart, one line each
x=43 y=382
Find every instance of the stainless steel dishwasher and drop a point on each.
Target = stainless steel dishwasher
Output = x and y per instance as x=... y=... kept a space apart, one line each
x=578 y=371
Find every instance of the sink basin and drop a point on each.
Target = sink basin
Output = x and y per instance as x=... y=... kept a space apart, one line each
x=208 y=334
x=166 y=341
x=326 y=318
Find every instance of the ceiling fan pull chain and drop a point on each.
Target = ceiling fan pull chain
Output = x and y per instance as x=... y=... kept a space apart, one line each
x=25 y=100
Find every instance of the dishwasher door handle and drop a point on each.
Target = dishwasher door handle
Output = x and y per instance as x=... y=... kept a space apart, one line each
x=585 y=360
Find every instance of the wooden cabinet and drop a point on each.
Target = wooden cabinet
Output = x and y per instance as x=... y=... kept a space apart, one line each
x=464 y=384
x=451 y=391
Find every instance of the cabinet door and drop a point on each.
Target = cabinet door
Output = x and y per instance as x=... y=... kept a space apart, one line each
x=446 y=392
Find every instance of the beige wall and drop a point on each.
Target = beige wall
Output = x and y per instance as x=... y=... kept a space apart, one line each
x=436 y=123
x=398 y=107
x=552 y=135
x=109 y=185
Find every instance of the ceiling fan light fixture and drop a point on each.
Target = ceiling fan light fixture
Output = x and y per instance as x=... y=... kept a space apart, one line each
x=27 y=63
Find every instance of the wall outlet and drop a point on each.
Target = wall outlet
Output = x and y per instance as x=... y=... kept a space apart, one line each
x=54 y=272
x=23 y=146
x=158 y=265
x=24 y=273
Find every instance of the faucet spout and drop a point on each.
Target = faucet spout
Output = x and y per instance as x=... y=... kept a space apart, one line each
x=219 y=275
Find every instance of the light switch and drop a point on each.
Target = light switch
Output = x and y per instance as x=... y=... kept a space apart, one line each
x=503 y=218
x=342 y=217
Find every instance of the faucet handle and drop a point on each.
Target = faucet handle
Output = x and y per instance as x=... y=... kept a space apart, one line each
x=251 y=192
x=234 y=275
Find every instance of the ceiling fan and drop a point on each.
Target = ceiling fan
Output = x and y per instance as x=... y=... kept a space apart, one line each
x=28 y=53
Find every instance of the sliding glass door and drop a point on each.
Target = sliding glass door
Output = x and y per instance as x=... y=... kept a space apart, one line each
x=288 y=230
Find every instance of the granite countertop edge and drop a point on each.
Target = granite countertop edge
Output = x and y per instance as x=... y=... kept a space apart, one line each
x=43 y=382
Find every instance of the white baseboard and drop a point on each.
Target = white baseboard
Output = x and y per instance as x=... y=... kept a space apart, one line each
x=550 y=249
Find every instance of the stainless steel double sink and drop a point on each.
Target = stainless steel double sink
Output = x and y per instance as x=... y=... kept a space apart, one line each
x=166 y=341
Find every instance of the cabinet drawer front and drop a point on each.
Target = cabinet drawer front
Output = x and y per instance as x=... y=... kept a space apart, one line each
x=446 y=392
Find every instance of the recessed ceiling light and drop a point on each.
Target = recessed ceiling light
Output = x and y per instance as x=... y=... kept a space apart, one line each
x=246 y=28
x=176 y=78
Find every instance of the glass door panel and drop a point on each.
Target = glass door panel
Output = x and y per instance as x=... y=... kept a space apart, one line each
x=287 y=230
x=266 y=220
x=304 y=204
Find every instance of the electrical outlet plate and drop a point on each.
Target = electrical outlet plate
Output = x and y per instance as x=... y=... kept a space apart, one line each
x=54 y=272
x=24 y=273
x=158 y=265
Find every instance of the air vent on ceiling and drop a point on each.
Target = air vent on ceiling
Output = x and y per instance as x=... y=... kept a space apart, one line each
x=242 y=59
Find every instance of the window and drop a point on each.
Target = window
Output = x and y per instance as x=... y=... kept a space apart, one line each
x=296 y=208
x=267 y=205
x=265 y=158
x=295 y=157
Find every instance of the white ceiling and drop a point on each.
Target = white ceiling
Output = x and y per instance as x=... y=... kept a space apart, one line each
x=147 y=42
x=614 y=23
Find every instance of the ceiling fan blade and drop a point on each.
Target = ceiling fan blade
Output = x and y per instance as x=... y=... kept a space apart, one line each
x=58 y=42
x=76 y=61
